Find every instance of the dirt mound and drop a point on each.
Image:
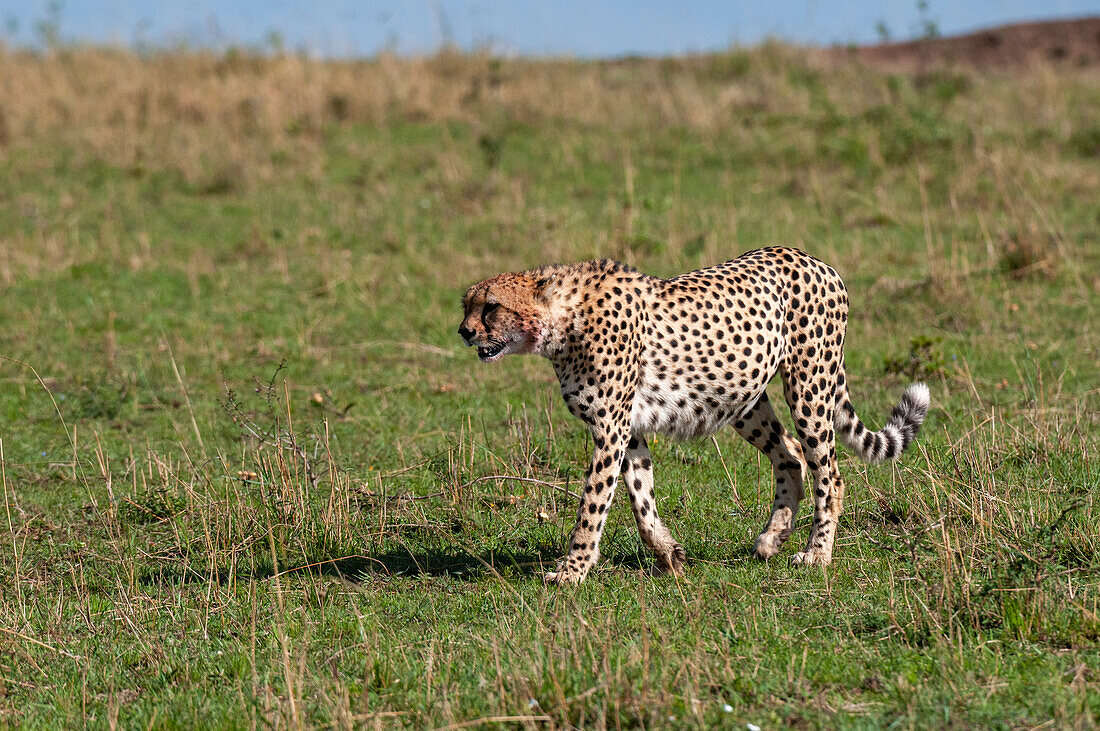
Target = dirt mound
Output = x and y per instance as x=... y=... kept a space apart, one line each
x=1075 y=42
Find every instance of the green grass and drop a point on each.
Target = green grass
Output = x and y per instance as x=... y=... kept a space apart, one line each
x=251 y=478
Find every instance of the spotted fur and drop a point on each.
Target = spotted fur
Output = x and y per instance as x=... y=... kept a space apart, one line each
x=686 y=356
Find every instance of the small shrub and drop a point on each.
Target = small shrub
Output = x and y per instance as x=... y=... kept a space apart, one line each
x=943 y=86
x=98 y=400
x=728 y=66
x=1027 y=253
x=150 y=505
x=1085 y=142
x=491 y=145
x=925 y=359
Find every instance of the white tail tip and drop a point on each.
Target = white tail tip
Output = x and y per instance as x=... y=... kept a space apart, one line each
x=920 y=394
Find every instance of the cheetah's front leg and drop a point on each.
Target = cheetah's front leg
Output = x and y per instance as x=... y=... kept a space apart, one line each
x=584 y=545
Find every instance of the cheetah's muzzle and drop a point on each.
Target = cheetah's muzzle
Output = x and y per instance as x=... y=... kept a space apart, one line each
x=686 y=356
x=489 y=352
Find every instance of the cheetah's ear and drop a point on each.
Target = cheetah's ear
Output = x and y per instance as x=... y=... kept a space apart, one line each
x=469 y=293
x=543 y=287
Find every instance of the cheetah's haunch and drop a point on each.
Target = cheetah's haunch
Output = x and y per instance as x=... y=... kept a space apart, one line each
x=685 y=356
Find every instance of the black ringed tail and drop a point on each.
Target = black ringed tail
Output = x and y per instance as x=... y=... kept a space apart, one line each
x=898 y=432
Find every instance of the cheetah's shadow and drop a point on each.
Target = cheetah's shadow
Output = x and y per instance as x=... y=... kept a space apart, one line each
x=451 y=563
x=457 y=564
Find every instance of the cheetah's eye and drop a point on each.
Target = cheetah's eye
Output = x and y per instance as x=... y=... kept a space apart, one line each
x=486 y=310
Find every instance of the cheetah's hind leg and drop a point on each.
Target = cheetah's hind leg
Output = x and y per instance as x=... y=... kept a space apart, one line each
x=819 y=447
x=763 y=430
x=638 y=476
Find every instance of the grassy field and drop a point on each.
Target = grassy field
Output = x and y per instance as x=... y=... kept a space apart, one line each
x=251 y=478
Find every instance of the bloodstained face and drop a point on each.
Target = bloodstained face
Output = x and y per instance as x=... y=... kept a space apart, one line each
x=503 y=315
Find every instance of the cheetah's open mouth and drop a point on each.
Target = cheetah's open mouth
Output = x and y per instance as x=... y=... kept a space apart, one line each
x=489 y=352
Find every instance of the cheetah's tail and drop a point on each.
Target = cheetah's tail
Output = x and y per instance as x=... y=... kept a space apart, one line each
x=890 y=441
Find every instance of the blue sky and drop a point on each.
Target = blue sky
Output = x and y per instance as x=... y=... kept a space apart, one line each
x=593 y=28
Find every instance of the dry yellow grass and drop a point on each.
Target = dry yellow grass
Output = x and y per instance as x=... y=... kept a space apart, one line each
x=236 y=121
x=192 y=109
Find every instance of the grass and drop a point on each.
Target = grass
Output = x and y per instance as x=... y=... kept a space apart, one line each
x=250 y=477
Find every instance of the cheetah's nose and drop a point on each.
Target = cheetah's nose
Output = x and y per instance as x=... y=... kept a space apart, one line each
x=465 y=333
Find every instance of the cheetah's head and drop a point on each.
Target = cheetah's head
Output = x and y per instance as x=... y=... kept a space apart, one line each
x=504 y=314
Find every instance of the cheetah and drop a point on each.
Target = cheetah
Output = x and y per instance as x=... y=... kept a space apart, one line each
x=638 y=355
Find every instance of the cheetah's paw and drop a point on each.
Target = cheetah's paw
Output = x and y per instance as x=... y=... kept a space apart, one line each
x=563 y=577
x=671 y=562
x=811 y=558
x=767 y=545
